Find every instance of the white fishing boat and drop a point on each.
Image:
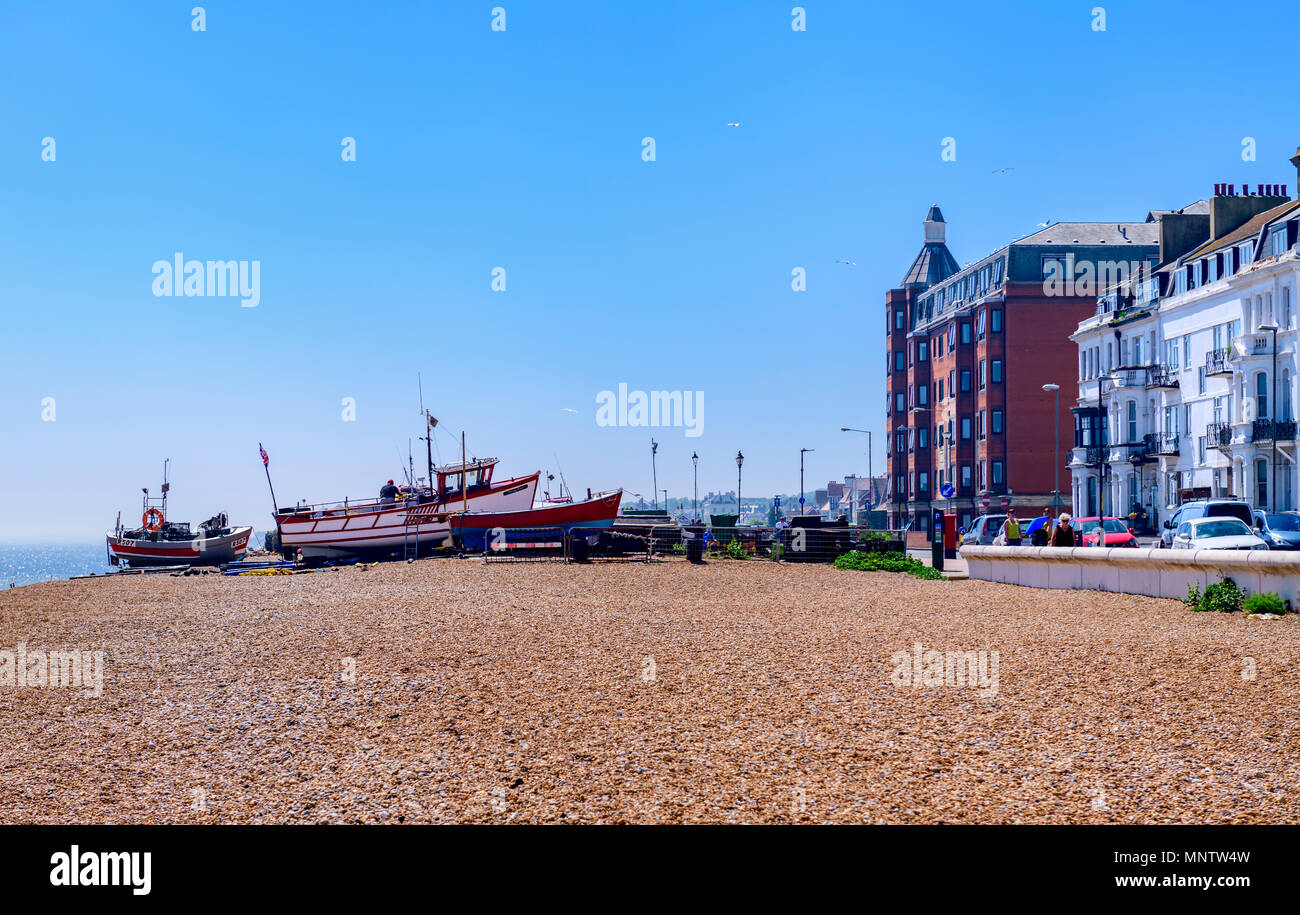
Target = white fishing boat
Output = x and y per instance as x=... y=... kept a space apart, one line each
x=411 y=522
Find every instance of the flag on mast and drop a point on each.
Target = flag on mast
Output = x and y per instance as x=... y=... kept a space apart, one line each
x=266 y=460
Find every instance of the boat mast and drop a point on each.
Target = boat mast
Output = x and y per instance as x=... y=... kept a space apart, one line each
x=464 y=477
x=429 y=423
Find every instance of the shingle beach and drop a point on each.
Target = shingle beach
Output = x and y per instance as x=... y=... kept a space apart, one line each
x=748 y=692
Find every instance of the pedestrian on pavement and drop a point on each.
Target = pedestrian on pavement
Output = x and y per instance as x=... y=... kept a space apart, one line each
x=1063 y=534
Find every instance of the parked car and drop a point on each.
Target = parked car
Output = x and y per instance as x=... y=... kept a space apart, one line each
x=1115 y=531
x=1219 y=533
x=1281 y=530
x=983 y=530
x=1206 y=508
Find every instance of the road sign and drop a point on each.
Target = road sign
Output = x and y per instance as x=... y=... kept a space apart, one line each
x=947 y=491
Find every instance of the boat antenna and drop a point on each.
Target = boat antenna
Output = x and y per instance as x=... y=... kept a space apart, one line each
x=429 y=423
x=564 y=484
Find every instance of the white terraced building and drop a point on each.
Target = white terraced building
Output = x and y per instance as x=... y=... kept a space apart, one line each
x=1188 y=374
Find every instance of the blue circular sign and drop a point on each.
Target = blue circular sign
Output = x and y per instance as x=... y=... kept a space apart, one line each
x=947 y=491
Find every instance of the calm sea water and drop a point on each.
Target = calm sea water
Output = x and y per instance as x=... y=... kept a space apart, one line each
x=23 y=564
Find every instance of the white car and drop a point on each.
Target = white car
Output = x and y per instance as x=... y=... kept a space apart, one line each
x=1216 y=534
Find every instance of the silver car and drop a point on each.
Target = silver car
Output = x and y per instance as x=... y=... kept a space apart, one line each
x=1216 y=534
x=983 y=530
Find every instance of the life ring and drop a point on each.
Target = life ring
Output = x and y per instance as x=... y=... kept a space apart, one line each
x=154 y=516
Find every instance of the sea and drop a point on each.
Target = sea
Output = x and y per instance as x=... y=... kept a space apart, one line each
x=27 y=563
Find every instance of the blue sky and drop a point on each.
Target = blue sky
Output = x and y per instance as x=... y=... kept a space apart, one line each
x=522 y=149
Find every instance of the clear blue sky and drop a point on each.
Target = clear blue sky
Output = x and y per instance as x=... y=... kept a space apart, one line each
x=522 y=149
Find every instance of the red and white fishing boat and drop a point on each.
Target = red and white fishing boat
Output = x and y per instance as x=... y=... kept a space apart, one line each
x=539 y=525
x=413 y=521
x=159 y=542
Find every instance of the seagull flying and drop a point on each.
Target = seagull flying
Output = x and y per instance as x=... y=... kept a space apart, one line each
x=1003 y=171
x=1044 y=224
x=733 y=123
x=849 y=263
x=568 y=409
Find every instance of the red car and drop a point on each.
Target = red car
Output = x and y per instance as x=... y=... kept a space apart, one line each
x=1116 y=531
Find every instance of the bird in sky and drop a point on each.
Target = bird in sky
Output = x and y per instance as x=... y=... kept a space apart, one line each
x=733 y=123
x=1044 y=224
x=848 y=262
x=568 y=409
x=1003 y=171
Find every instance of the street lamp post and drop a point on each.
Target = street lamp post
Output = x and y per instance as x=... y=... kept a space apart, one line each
x=695 y=462
x=740 y=460
x=1272 y=419
x=802 y=452
x=1104 y=433
x=654 y=474
x=1056 y=473
x=870 y=475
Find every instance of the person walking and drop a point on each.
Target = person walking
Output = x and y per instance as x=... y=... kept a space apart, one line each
x=1063 y=534
x=1011 y=528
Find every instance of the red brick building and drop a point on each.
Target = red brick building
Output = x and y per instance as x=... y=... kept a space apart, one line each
x=968 y=351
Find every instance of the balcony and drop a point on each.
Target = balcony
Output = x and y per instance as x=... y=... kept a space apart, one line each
x=1216 y=362
x=1264 y=430
x=1165 y=444
x=1219 y=436
x=1160 y=376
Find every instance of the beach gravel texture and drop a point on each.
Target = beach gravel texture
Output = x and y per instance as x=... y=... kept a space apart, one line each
x=747 y=692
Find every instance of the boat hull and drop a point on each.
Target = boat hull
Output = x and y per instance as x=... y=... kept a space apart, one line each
x=505 y=530
x=198 y=551
x=384 y=529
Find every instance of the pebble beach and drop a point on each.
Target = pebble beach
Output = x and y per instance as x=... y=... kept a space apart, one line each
x=459 y=691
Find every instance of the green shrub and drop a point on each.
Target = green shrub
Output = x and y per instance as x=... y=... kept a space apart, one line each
x=734 y=549
x=887 y=562
x=1264 y=603
x=1224 y=597
x=1193 y=598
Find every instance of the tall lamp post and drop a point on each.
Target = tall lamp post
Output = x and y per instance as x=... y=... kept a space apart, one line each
x=870 y=476
x=740 y=460
x=654 y=474
x=1272 y=419
x=1104 y=433
x=802 y=452
x=1056 y=473
x=695 y=462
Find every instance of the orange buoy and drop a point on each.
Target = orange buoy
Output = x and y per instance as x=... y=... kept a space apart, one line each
x=152 y=520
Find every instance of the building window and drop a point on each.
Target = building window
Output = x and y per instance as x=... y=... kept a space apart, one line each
x=1180 y=281
x=965 y=332
x=979 y=325
x=1132 y=421
x=997 y=277
x=1279 y=240
x=925 y=482
x=1245 y=253
x=965 y=380
x=1261 y=395
x=965 y=476
x=898 y=361
x=1200 y=448
x=898 y=402
x=1212 y=269
x=923 y=352
x=1196 y=274
x=984 y=474
x=1286 y=307
x=923 y=391
x=997 y=371
x=952 y=383
x=952 y=336
x=965 y=428
x=997 y=422
x=1261 y=482
x=979 y=426
x=1200 y=379
x=1285 y=413
x=997 y=473
x=981 y=374
x=996 y=320
x=1187 y=351
x=923 y=437
x=1171 y=354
